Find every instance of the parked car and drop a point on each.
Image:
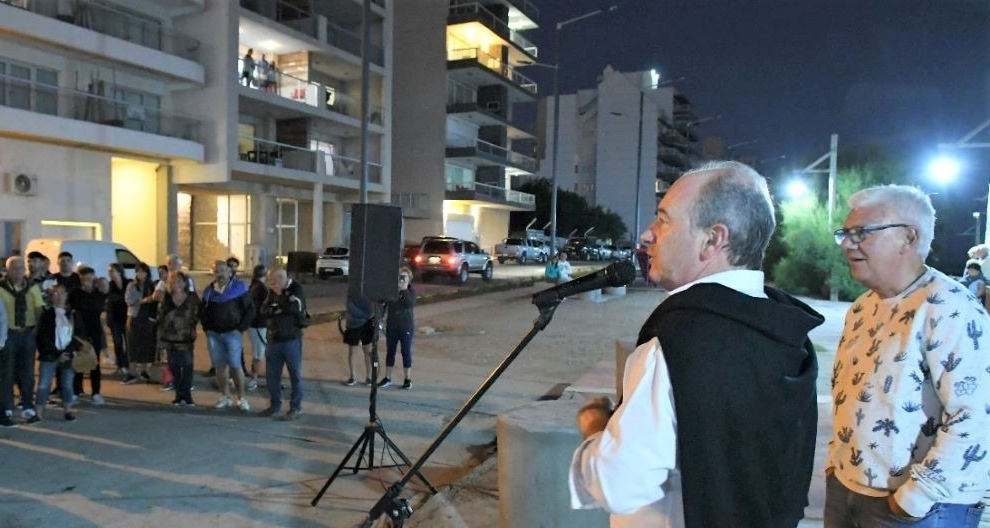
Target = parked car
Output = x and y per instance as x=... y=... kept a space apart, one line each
x=97 y=254
x=581 y=249
x=454 y=258
x=622 y=253
x=335 y=260
x=520 y=250
x=409 y=252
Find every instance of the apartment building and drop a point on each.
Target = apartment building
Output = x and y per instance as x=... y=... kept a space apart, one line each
x=141 y=122
x=458 y=144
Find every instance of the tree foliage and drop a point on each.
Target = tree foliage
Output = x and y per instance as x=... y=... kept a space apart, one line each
x=573 y=212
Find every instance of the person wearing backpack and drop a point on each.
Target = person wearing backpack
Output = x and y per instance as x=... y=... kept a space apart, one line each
x=285 y=314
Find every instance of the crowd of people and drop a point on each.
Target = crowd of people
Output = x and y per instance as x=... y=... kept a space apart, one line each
x=51 y=323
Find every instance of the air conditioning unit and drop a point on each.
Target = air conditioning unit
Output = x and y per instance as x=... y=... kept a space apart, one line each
x=21 y=184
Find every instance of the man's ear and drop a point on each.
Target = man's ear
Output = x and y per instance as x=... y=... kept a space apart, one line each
x=912 y=236
x=716 y=239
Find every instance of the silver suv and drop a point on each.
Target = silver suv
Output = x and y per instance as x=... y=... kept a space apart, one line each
x=453 y=257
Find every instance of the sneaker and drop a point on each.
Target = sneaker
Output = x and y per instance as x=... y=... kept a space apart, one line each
x=385 y=382
x=223 y=403
x=168 y=387
x=130 y=379
x=73 y=402
x=350 y=382
x=145 y=376
x=244 y=405
x=5 y=421
x=293 y=414
x=98 y=400
x=33 y=419
x=122 y=372
x=27 y=414
x=407 y=384
x=367 y=381
x=270 y=411
x=252 y=385
x=189 y=403
x=69 y=417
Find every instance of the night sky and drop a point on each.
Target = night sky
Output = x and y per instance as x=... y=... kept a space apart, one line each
x=902 y=75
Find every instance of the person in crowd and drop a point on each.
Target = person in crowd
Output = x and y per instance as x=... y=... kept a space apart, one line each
x=285 y=313
x=234 y=264
x=5 y=366
x=975 y=281
x=257 y=333
x=89 y=301
x=226 y=313
x=66 y=275
x=685 y=447
x=359 y=331
x=271 y=80
x=38 y=269
x=172 y=265
x=23 y=303
x=261 y=73
x=117 y=315
x=178 y=316
x=909 y=384
x=552 y=271
x=247 y=68
x=565 y=268
x=399 y=329
x=59 y=329
x=142 y=307
x=980 y=253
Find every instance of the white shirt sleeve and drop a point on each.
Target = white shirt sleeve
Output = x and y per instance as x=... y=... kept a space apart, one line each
x=624 y=467
x=3 y=324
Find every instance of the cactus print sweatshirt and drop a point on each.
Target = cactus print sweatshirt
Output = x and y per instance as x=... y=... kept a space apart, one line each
x=911 y=396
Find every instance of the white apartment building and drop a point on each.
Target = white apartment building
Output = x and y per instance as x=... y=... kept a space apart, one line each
x=131 y=121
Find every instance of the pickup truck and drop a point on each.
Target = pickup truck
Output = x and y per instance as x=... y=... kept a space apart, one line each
x=520 y=250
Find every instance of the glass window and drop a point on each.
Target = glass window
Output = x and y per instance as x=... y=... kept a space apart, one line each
x=19 y=87
x=221 y=227
x=472 y=247
x=126 y=259
x=46 y=91
x=436 y=246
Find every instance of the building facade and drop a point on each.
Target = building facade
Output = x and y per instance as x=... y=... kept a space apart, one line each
x=147 y=123
x=474 y=49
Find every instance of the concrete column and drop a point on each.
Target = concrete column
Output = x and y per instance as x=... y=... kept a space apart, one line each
x=318 y=217
x=171 y=214
x=535 y=445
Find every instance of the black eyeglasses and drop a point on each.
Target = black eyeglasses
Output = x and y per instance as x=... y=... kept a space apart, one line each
x=858 y=234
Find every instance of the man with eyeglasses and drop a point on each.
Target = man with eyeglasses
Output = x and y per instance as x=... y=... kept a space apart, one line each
x=911 y=380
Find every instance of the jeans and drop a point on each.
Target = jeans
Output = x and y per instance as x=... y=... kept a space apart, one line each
x=394 y=339
x=846 y=509
x=46 y=371
x=118 y=333
x=289 y=354
x=6 y=380
x=180 y=362
x=21 y=347
x=257 y=338
x=226 y=349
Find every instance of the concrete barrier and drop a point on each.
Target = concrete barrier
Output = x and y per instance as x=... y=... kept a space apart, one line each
x=535 y=445
x=592 y=295
x=621 y=290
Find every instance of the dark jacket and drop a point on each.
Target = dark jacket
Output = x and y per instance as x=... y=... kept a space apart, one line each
x=116 y=305
x=400 y=313
x=259 y=292
x=177 y=324
x=89 y=305
x=70 y=281
x=230 y=309
x=46 y=334
x=285 y=313
x=743 y=371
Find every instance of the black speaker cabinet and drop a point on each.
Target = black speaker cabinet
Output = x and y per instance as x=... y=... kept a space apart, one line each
x=376 y=243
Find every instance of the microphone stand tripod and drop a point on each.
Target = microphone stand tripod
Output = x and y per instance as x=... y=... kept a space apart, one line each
x=373 y=428
x=398 y=509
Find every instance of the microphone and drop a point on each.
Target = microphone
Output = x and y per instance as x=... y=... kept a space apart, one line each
x=620 y=273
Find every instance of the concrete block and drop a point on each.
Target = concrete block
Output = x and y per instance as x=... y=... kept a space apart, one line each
x=593 y=295
x=599 y=381
x=535 y=445
x=618 y=291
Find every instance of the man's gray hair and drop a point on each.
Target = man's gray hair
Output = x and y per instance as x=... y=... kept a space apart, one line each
x=738 y=197
x=13 y=260
x=906 y=204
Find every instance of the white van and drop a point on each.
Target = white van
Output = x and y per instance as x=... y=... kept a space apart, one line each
x=96 y=254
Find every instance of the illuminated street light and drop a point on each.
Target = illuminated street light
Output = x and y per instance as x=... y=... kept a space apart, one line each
x=797 y=188
x=944 y=169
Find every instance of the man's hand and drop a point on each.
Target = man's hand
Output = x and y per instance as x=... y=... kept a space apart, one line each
x=896 y=508
x=593 y=416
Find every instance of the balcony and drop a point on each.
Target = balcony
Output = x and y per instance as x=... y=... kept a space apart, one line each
x=286 y=14
x=482 y=192
x=89 y=107
x=468 y=58
x=463 y=104
x=317 y=162
x=672 y=156
x=108 y=20
x=414 y=205
x=523 y=14
x=291 y=88
x=350 y=42
x=475 y=12
x=477 y=152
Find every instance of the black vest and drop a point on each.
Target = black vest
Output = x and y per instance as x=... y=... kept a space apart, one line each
x=743 y=376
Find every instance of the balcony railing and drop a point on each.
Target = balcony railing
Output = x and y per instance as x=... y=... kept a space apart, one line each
x=494 y=64
x=495 y=23
x=411 y=201
x=514 y=158
x=351 y=106
x=267 y=152
x=284 y=13
x=114 y=22
x=269 y=79
x=492 y=191
x=86 y=106
x=460 y=93
x=350 y=42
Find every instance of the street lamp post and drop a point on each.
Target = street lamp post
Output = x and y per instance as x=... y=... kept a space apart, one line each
x=832 y=156
x=966 y=142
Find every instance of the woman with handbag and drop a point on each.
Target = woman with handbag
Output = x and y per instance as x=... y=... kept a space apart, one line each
x=59 y=333
x=142 y=309
x=117 y=314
